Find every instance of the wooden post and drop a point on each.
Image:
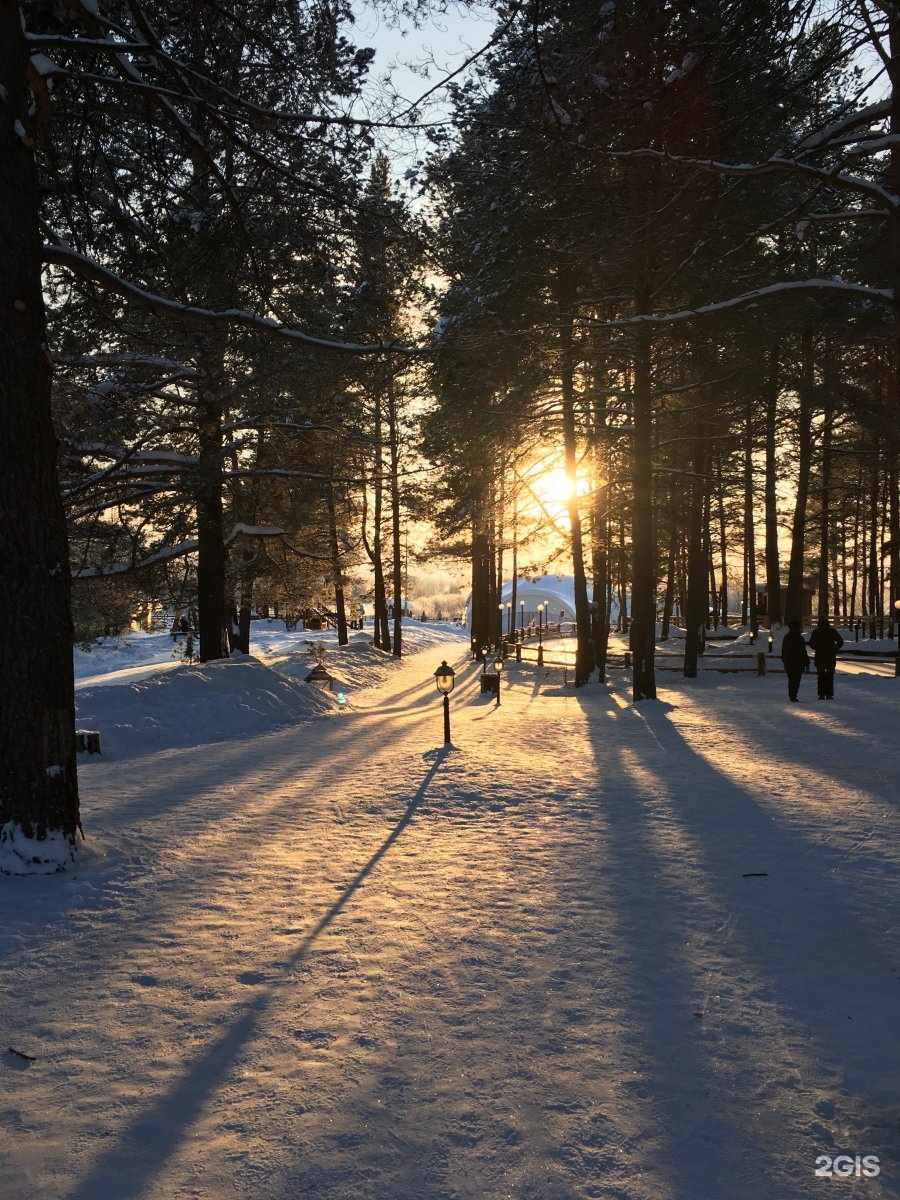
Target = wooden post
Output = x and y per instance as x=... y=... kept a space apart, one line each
x=760 y=664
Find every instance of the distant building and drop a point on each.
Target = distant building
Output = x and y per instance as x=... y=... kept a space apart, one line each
x=555 y=592
x=762 y=603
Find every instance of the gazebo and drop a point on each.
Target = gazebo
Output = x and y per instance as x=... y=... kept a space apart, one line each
x=555 y=592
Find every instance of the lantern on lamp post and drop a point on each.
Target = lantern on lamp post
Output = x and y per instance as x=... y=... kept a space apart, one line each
x=498 y=667
x=445 y=677
x=522 y=619
x=499 y=624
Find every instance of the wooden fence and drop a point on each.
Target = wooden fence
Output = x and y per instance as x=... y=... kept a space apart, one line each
x=552 y=653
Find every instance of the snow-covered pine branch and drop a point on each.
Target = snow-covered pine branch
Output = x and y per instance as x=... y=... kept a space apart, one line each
x=856 y=290
x=87 y=268
x=127 y=360
x=125 y=568
x=825 y=138
x=240 y=529
x=237 y=103
x=833 y=178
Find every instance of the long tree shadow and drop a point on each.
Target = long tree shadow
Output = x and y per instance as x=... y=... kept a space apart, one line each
x=141 y=1151
x=690 y=851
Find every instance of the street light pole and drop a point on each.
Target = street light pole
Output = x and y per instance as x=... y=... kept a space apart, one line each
x=444 y=677
x=522 y=620
x=498 y=667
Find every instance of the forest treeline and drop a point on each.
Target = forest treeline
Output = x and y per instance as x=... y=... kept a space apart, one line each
x=670 y=232
x=656 y=239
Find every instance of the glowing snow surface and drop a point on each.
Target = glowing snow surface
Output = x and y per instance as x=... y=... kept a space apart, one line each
x=589 y=950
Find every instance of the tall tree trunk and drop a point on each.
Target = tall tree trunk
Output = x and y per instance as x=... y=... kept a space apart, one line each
x=893 y=181
x=774 y=607
x=394 y=446
x=894 y=525
x=584 y=650
x=697 y=605
x=749 y=526
x=514 y=572
x=600 y=602
x=874 y=593
x=238 y=631
x=793 y=608
x=213 y=617
x=340 y=605
x=481 y=586
x=38 y=779
x=499 y=542
x=825 y=512
x=372 y=548
x=643 y=597
x=856 y=551
x=712 y=599
x=723 y=544
x=671 y=569
x=382 y=630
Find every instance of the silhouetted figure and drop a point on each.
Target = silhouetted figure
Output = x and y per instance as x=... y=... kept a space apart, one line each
x=825 y=641
x=795 y=657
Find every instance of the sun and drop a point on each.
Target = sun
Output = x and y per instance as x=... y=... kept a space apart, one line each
x=553 y=487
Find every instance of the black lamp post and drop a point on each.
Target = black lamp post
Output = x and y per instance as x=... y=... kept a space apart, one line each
x=444 y=677
x=498 y=667
x=509 y=616
x=522 y=620
x=499 y=624
x=540 y=635
x=320 y=677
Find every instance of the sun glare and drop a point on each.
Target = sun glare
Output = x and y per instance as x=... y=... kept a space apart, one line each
x=552 y=488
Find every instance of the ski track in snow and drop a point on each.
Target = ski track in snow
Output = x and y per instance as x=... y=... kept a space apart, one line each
x=588 y=950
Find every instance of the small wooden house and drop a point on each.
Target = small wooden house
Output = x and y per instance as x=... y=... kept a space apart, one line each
x=762 y=603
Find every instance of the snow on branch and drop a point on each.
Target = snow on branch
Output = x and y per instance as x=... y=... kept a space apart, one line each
x=863 y=116
x=882 y=295
x=87 y=268
x=307 y=117
x=260 y=531
x=832 y=178
x=125 y=568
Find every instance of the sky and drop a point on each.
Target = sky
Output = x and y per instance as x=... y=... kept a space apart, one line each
x=410 y=61
x=587 y=951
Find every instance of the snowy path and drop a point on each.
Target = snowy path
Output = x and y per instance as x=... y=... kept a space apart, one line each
x=588 y=951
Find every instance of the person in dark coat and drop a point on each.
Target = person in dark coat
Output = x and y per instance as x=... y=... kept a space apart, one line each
x=825 y=641
x=795 y=657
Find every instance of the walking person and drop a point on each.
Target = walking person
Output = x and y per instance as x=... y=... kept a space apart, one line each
x=795 y=657
x=825 y=641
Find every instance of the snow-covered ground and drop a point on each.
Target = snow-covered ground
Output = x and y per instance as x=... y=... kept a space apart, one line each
x=590 y=950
